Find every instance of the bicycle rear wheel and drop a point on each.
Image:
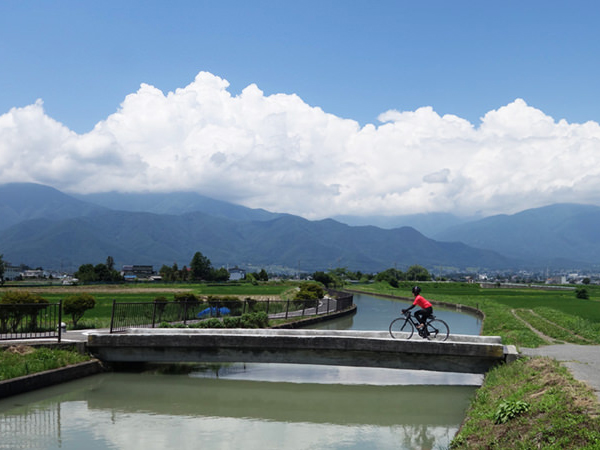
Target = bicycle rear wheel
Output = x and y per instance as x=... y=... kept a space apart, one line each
x=401 y=328
x=438 y=330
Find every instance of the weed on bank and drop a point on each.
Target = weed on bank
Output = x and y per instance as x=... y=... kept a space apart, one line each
x=20 y=360
x=531 y=404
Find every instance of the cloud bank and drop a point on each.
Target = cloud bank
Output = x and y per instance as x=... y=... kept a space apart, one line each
x=279 y=153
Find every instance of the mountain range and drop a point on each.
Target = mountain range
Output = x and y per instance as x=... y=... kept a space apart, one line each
x=41 y=226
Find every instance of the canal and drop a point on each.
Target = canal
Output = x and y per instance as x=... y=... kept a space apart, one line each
x=251 y=406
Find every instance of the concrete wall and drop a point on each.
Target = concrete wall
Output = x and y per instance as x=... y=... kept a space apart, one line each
x=464 y=354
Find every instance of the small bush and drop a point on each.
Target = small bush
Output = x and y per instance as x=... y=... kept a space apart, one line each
x=77 y=305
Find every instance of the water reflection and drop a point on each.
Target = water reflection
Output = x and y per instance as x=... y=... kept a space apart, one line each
x=155 y=411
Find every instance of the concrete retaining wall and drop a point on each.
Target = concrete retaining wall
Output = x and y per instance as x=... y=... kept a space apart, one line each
x=48 y=378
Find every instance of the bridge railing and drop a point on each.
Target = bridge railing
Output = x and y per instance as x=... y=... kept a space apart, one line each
x=30 y=321
x=152 y=314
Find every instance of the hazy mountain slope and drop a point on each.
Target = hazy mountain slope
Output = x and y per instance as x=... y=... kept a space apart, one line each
x=543 y=235
x=429 y=224
x=175 y=203
x=26 y=201
x=288 y=241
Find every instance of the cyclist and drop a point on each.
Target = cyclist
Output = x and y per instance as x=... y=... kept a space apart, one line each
x=426 y=309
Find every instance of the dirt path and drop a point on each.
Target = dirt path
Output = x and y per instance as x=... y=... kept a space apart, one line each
x=541 y=335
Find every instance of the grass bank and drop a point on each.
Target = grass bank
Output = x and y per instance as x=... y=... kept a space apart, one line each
x=20 y=360
x=531 y=404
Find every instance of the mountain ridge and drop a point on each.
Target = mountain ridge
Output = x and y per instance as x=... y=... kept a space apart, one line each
x=47 y=228
x=282 y=241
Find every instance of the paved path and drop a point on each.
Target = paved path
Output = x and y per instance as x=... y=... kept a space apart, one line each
x=582 y=360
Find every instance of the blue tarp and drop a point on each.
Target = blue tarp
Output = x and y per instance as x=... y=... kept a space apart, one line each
x=212 y=311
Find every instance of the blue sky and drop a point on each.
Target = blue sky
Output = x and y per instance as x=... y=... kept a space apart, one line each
x=353 y=60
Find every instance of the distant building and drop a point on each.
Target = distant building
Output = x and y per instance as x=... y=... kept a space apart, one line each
x=235 y=273
x=12 y=272
x=135 y=272
x=33 y=273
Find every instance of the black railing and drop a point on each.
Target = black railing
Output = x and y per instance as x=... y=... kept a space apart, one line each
x=153 y=314
x=30 y=321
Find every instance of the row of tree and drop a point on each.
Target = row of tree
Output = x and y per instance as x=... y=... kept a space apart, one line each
x=103 y=273
x=200 y=269
x=337 y=277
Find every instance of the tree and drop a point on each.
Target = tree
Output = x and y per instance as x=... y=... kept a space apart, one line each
x=324 y=278
x=200 y=267
x=100 y=272
x=77 y=305
x=86 y=273
x=582 y=293
x=263 y=275
x=110 y=263
x=417 y=273
x=221 y=274
x=390 y=275
x=309 y=294
x=166 y=273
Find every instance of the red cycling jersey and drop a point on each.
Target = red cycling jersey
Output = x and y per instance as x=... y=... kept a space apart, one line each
x=421 y=302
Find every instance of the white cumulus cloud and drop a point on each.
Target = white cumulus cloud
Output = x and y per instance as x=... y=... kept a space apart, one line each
x=279 y=153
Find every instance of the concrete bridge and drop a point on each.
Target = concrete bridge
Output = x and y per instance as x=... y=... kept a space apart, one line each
x=463 y=354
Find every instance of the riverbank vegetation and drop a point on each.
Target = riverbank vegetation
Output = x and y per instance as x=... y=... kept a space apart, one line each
x=531 y=404
x=20 y=360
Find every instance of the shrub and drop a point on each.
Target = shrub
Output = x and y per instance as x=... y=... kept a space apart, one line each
x=233 y=303
x=17 y=305
x=231 y=322
x=254 y=320
x=77 y=305
x=582 y=293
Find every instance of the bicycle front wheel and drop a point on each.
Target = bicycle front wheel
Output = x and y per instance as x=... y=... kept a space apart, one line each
x=438 y=330
x=401 y=328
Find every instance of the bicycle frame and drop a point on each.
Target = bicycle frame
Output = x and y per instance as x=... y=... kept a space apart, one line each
x=435 y=329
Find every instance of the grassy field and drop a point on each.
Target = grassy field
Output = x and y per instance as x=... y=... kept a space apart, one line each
x=99 y=316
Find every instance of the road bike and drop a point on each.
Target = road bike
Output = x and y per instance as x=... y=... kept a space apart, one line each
x=404 y=327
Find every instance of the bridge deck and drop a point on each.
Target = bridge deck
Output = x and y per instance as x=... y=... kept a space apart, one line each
x=460 y=353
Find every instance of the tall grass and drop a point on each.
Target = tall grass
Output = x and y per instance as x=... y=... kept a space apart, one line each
x=15 y=364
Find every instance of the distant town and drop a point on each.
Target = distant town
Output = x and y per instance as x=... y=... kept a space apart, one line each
x=131 y=273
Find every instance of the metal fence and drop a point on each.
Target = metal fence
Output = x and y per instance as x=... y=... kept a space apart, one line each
x=153 y=314
x=30 y=321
